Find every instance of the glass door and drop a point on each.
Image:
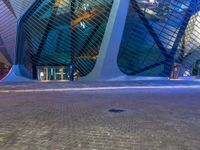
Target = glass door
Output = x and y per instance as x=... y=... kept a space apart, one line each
x=49 y=73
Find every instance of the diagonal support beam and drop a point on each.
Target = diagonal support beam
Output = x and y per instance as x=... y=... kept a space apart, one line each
x=89 y=38
x=8 y=4
x=42 y=8
x=56 y=5
x=87 y=17
x=182 y=29
x=20 y=32
x=179 y=37
x=35 y=58
x=148 y=67
x=148 y=26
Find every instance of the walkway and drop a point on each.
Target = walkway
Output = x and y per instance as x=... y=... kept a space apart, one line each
x=100 y=119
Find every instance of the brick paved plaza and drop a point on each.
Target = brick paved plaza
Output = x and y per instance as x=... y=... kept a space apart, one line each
x=153 y=118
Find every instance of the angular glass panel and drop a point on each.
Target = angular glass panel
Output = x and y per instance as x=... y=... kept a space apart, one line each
x=153 y=31
x=64 y=32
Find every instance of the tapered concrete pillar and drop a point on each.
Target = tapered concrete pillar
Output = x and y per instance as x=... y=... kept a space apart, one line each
x=106 y=67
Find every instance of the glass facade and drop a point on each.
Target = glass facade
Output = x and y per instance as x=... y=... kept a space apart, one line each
x=160 y=37
x=155 y=36
x=63 y=32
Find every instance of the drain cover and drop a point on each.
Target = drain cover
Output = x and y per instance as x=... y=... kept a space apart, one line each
x=115 y=110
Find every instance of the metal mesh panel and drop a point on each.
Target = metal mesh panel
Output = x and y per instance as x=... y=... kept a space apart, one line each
x=63 y=32
x=10 y=12
x=153 y=35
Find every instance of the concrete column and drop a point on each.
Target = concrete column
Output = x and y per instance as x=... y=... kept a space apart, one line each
x=106 y=67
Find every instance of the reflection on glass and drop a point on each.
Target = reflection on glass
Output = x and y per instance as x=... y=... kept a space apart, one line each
x=64 y=32
x=153 y=33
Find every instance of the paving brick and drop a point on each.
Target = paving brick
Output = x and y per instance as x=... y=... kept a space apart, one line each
x=155 y=119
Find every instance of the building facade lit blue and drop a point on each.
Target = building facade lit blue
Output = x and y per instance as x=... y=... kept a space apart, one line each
x=100 y=39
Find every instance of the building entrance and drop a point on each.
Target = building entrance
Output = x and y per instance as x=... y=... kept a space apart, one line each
x=48 y=73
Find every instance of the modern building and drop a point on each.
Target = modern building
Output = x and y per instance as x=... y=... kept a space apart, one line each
x=100 y=39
